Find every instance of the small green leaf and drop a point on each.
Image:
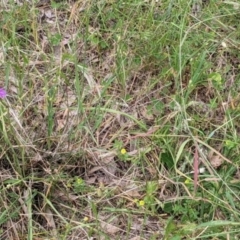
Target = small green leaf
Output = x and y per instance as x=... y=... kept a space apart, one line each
x=216 y=79
x=230 y=144
x=55 y=39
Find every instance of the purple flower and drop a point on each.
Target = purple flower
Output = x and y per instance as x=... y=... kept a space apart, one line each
x=3 y=93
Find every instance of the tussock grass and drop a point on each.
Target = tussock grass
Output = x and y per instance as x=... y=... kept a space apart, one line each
x=110 y=107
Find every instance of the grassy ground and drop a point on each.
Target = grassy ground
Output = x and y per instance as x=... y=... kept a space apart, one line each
x=121 y=120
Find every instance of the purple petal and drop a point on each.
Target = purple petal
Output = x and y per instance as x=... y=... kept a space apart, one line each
x=3 y=93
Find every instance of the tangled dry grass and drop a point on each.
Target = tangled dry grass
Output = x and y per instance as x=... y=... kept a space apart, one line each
x=111 y=107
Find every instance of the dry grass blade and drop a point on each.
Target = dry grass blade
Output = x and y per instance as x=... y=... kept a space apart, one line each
x=196 y=168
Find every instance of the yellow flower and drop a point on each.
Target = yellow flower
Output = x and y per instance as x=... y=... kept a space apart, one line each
x=187 y=181
x=123 y=151
x=141 y=203
x=85 y=219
